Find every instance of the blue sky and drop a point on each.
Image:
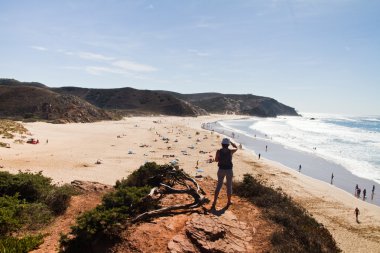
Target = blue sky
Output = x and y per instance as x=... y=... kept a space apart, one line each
x=314 y=55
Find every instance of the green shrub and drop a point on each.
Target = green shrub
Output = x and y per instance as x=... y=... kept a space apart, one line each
x=35 y=215
x=10 y=208
x=105 y=221
x=58 y=199
x=29 y=186
x=300 y=232
x=23 y=245
x=28 y=201
x=147 y=174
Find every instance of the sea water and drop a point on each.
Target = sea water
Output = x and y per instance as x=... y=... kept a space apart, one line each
x=351 y=142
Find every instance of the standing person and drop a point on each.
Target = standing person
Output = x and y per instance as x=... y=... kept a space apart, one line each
x=364 y=194
x=357 y=212
x=299 y=168
x=332 y=178
x=224 y=158
x=373 y=192
x=356 y=190
x=266 y=148
x=259 y=156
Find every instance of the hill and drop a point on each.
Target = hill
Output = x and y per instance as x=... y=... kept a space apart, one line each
x=35 y=103
x=133 y=101
x=245 y=104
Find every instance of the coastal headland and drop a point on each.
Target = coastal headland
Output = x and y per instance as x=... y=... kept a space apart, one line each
x=110 y=150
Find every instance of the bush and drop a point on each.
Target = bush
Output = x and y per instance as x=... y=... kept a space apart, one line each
x=36 y=188
x=148 y=174
x=10 y=208
x=59 y=198
x=299 y=231
x=23 y=245
x=103 y=224
x=29 y=186
x=28 y=201
x=35 y=215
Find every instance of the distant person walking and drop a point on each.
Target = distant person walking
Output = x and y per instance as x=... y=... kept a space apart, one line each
x=266 y=148
x=373 y=192
x=357 y=212
x=299 y=168
x=259 y=156
x=364 y=194
x=332 y=178
x=356 y=190
x=224 y=158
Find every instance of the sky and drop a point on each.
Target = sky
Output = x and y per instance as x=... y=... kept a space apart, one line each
x=313 y=55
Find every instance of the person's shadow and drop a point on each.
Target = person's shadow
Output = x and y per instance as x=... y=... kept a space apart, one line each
x=218 y=212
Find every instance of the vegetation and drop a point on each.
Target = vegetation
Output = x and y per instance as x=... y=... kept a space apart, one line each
x=299 y=232
x=130 y=202
x=9 y=127
x=101 y=227
x=16 y=245
x=28 y=202
x=104 y=223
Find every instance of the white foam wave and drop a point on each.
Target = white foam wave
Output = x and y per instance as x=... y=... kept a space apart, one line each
x=356 y=149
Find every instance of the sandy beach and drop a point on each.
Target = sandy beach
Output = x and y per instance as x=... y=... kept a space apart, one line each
x=110 y=150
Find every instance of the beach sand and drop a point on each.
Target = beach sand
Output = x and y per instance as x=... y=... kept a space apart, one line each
x=72 y=152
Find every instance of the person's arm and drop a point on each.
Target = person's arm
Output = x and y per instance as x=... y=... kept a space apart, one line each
x=217 y=156
x=235 y=148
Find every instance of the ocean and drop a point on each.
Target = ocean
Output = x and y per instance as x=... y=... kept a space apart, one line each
x=348 y=142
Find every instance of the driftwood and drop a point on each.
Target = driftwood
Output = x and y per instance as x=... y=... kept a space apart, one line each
x=175 y=178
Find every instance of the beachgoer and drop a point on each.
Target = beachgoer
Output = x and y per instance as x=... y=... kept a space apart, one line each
x=266 y=148
x=373 y=189
x=357 y=212
x=359 y=191
x=299 y=168
x=356 y=190
x=259 y=156
x=364 y=193
x=332 y=178
x=224 y=158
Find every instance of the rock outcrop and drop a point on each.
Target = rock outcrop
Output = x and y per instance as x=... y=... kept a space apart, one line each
x=213 y=234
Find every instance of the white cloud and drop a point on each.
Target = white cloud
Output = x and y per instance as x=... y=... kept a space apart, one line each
x=133 y=66
x=198 y=53
x=93 y=56
x=39 y=48
x=97 y=70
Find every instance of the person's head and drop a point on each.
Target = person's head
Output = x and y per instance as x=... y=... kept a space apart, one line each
x=225 y=142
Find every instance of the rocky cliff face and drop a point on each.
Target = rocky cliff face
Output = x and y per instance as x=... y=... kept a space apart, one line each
x=240 y=104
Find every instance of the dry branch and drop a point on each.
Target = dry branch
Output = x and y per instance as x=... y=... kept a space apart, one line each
x=175 y=177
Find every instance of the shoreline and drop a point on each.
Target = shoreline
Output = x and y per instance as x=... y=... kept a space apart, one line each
x=122 y=146
x=311 y=165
